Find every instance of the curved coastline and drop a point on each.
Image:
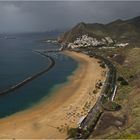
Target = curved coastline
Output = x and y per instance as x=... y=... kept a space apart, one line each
x=43 y=120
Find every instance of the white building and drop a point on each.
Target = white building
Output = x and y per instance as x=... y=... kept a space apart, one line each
x=122 y=44
x=85 y=41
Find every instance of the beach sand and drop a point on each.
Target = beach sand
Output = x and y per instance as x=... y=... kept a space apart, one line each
x=51 y=118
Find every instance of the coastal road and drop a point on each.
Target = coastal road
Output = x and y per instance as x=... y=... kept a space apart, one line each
x=90 y=121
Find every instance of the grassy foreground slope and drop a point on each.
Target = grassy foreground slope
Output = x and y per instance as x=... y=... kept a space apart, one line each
x=126 y=122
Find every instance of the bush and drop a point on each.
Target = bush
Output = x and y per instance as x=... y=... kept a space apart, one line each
x=72 y=132
x=122 y=81
x=111 y=106
x=120 y=78
x=102 y=65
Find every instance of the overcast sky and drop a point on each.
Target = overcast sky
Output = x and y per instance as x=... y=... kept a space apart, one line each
x=43 y=16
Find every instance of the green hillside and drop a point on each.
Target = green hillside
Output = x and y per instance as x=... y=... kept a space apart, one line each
x=119 y=30
x=125 y=123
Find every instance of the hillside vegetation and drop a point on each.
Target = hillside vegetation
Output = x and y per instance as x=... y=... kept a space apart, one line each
x=124 y=124
x=119 y=30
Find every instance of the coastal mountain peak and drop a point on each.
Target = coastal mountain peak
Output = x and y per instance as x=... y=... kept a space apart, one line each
x=118 y=30
x=81 y=24
x=136 y=18
x=118 y=21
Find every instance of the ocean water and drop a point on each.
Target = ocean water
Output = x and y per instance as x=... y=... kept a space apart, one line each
x=18 y=61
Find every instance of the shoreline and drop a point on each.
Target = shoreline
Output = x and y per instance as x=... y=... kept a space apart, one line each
x=52 y=117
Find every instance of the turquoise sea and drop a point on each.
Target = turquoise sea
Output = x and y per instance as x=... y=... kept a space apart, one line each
x=18 y=61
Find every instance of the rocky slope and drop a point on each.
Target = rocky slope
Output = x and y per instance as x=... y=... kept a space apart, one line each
x=119 y=30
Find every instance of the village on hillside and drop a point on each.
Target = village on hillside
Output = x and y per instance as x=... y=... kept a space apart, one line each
x=87 y=41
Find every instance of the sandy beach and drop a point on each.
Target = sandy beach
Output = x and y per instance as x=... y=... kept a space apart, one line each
x=51 y=118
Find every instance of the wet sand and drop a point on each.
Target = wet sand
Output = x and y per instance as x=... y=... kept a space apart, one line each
x=51 y=118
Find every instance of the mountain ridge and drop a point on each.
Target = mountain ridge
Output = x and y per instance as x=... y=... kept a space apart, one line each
x=119 y=30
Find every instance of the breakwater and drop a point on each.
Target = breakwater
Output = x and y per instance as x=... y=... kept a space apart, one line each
x=29 y=79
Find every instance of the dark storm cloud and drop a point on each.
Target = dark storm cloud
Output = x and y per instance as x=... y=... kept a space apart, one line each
x=40 y=16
